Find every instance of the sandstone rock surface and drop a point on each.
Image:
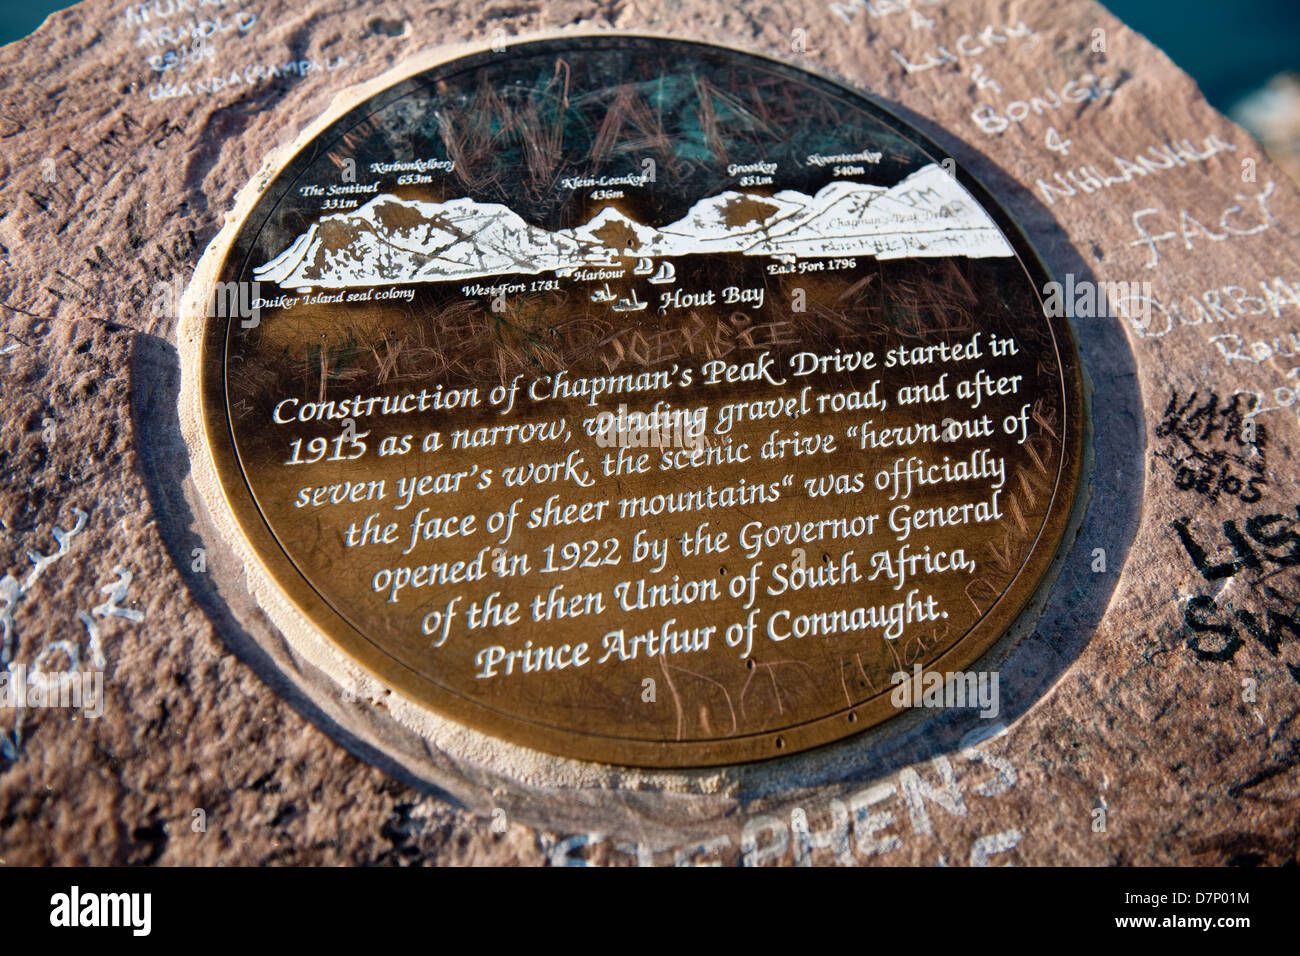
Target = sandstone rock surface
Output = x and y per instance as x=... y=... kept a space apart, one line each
x=1159 y=691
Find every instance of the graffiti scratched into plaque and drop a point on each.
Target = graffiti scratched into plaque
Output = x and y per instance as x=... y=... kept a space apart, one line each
x=640 y=401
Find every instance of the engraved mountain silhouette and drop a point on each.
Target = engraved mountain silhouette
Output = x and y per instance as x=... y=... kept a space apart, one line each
x=390 y=240
x=610 y=230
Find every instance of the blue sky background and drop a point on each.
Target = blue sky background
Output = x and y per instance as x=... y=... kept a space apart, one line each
x=1230 y=48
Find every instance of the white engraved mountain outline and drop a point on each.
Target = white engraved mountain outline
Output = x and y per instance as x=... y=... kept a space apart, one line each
x=392 y=241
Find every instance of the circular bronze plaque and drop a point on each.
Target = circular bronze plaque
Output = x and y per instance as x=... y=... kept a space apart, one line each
x=641 y=401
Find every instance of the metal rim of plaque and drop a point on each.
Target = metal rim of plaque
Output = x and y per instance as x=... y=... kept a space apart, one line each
x=761 y=113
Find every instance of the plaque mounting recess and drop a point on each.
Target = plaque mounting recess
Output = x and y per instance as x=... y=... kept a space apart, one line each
x=438 y=338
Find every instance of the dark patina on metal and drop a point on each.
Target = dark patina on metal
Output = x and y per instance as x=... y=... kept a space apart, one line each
x=449 y=310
